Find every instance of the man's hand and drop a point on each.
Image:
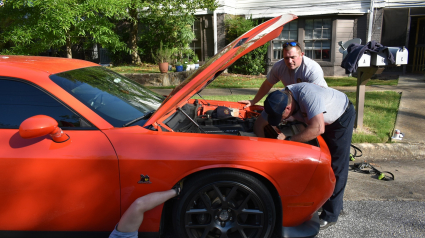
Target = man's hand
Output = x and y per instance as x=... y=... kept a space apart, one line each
x=247 y=102
x=262 y=91
x=281 y=136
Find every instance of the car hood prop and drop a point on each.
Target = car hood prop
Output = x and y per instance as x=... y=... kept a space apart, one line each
x=198 y=80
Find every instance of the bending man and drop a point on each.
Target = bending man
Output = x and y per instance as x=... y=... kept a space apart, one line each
x=327 y=112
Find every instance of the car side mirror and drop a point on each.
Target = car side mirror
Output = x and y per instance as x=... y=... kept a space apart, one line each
x=41 y=125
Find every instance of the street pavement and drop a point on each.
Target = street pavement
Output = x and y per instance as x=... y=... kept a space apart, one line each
x=379 y=219
x=377 y=208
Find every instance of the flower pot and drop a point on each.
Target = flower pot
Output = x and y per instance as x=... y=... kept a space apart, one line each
x=179 y=68
x=163 y=67
x=196 y=65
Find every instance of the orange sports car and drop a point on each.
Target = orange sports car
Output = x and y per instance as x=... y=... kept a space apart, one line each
x=79 y=143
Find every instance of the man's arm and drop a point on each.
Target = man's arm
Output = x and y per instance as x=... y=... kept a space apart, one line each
x=264 y=89
x=315 y=127
x=259 y=125
x=133 y=216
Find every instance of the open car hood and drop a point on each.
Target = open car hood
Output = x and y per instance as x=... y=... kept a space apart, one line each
x=198 y=80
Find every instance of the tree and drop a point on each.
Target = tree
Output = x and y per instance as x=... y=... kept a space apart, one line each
x=166 y=20
x=36 y=26
x=32 y=27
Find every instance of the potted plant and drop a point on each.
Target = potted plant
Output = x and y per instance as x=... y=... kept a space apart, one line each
x=196 y=61
x=191 y=65
x=179 y=66
x=185 y=66
x=162 y=56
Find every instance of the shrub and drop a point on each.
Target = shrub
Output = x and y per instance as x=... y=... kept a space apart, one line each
x=253 y=63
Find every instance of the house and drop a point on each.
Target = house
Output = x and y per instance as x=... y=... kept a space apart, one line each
x=321 y=25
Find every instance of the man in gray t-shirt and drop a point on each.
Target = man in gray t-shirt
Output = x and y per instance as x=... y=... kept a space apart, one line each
x=327 y=112
x=309 y=71
x=314 y=100
x=293 y=68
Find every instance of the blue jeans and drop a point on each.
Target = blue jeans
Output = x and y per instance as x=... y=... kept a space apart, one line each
x=338 y=138
x=118 y=234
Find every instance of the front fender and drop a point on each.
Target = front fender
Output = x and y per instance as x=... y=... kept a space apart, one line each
x=167 y=157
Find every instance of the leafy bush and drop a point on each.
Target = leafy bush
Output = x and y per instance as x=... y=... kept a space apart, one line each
x=253 y=63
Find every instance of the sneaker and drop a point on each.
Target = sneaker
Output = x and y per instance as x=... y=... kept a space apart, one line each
x=325 y=224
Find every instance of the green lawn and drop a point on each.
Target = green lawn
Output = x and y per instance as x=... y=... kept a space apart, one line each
x=352 y=81
x=143 y=69
x=244 y=81
x=239 y=81
x=379 y=118
x=248 y=81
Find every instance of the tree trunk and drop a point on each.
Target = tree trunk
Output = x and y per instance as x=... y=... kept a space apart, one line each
x=132 y=43
x=68 y=47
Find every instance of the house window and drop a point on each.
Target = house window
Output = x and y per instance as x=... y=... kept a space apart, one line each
x=289 y=33
x=318 y=38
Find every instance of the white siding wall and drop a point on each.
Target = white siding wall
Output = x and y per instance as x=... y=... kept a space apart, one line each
x=273 y=8
x=404 y=3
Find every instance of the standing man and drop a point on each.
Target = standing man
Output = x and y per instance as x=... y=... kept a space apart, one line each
x=327 y=112
x=293 y=68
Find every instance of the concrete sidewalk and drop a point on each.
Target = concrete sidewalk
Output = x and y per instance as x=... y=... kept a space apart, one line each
x=410 y=121
x=410 y=117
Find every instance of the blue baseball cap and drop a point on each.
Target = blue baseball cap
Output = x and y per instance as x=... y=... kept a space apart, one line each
x=274 y=106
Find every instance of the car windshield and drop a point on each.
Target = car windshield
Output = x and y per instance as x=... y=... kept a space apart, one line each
x=117 y=99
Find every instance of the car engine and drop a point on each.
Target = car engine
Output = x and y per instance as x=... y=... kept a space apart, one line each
x=226 y=118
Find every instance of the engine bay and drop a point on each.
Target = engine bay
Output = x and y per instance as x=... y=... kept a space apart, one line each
x=225 y=118
x=213 y=117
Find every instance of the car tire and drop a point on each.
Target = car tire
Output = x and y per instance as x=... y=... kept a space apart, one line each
x=224 y=203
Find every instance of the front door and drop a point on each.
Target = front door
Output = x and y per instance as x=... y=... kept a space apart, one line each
x=419 y=51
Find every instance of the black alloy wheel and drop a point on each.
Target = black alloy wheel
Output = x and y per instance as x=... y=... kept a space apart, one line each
x=225 y=204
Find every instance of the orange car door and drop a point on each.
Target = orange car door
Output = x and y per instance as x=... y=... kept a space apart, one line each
x=49 y=186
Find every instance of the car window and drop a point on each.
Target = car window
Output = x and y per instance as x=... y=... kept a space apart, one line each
x=115 y=98
x=19 y=101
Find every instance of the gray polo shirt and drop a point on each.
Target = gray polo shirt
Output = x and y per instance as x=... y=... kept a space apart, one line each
x=309 y=71
x=313 y=100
